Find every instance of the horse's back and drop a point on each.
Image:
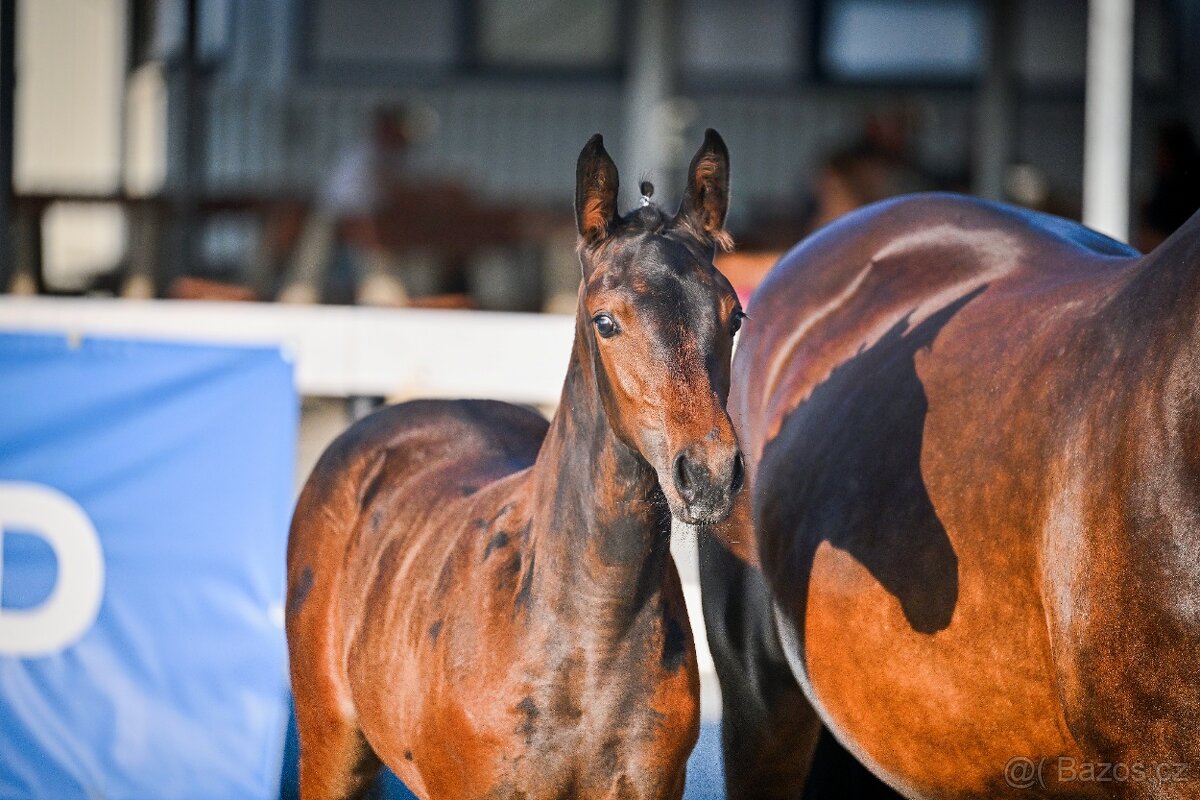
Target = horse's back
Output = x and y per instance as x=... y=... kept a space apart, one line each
x=477 y=439
x=434 y=433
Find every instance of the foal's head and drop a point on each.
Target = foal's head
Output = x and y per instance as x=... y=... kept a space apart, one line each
x=659 y=321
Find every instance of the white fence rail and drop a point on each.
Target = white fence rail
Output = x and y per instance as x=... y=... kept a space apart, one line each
x=340 y=350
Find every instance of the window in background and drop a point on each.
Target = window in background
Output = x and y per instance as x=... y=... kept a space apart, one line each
x=756 y=40
x=214 y=20
x=382 y=34
x=1051 y=44
x=921 y=40
x=570 y=35
x=159 y=27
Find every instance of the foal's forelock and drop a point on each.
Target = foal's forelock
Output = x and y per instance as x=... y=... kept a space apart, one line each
x=649 y=219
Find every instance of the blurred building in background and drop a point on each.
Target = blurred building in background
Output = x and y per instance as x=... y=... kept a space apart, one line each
x=422 y=152
x=176 y=147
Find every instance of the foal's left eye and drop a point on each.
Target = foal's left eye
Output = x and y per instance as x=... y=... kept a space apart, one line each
x=736 y=323
x=606 y=326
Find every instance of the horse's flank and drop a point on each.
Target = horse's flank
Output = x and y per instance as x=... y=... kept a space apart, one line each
x=974 y=494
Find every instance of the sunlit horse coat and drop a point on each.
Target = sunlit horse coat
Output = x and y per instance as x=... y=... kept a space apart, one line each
x=973 y=437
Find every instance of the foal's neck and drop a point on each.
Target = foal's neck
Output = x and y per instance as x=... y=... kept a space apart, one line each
x=605 y=538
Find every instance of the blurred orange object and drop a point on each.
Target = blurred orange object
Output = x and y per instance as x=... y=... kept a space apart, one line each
x=443 y=301
x=190 y=288
x=745 y=270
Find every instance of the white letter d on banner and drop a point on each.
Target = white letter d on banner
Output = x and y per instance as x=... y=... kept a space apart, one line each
x=71 y=608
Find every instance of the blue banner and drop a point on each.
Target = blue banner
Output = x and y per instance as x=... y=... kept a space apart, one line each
x=145 y=491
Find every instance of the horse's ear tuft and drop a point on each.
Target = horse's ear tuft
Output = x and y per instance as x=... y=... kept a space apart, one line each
x=706 y=198
x=723 y=240
x=596 y=185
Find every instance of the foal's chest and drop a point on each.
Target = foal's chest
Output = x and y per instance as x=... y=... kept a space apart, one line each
x=575 y=731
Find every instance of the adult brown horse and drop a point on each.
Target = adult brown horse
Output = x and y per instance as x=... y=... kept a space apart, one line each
x=973 y=441
x=490 y=607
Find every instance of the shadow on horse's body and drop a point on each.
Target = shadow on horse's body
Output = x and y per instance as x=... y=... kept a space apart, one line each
x=971 y=433
x=487 y=604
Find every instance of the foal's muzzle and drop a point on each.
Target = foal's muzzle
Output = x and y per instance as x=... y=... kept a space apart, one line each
x=707 y=482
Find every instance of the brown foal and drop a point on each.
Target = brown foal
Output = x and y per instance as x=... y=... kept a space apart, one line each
x=489 y=606
x=972 y=440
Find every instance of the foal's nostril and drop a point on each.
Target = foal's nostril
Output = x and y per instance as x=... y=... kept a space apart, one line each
x=680 y=473
x=697 y=483
x=739 y=474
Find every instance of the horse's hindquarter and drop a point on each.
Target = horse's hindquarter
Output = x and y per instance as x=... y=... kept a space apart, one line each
x=384 y=524
x=902 y=435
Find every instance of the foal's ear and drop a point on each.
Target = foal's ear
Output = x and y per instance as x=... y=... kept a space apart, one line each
x=596 y=184
x=706 y=198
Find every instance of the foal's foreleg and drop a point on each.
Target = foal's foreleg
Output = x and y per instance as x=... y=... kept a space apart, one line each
x=336 y=763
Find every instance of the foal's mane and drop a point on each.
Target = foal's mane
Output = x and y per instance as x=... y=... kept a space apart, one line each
x=647 y=219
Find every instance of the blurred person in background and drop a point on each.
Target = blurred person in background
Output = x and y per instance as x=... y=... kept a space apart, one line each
x=877 y=167
x=350 y=211
x=1176 y=192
